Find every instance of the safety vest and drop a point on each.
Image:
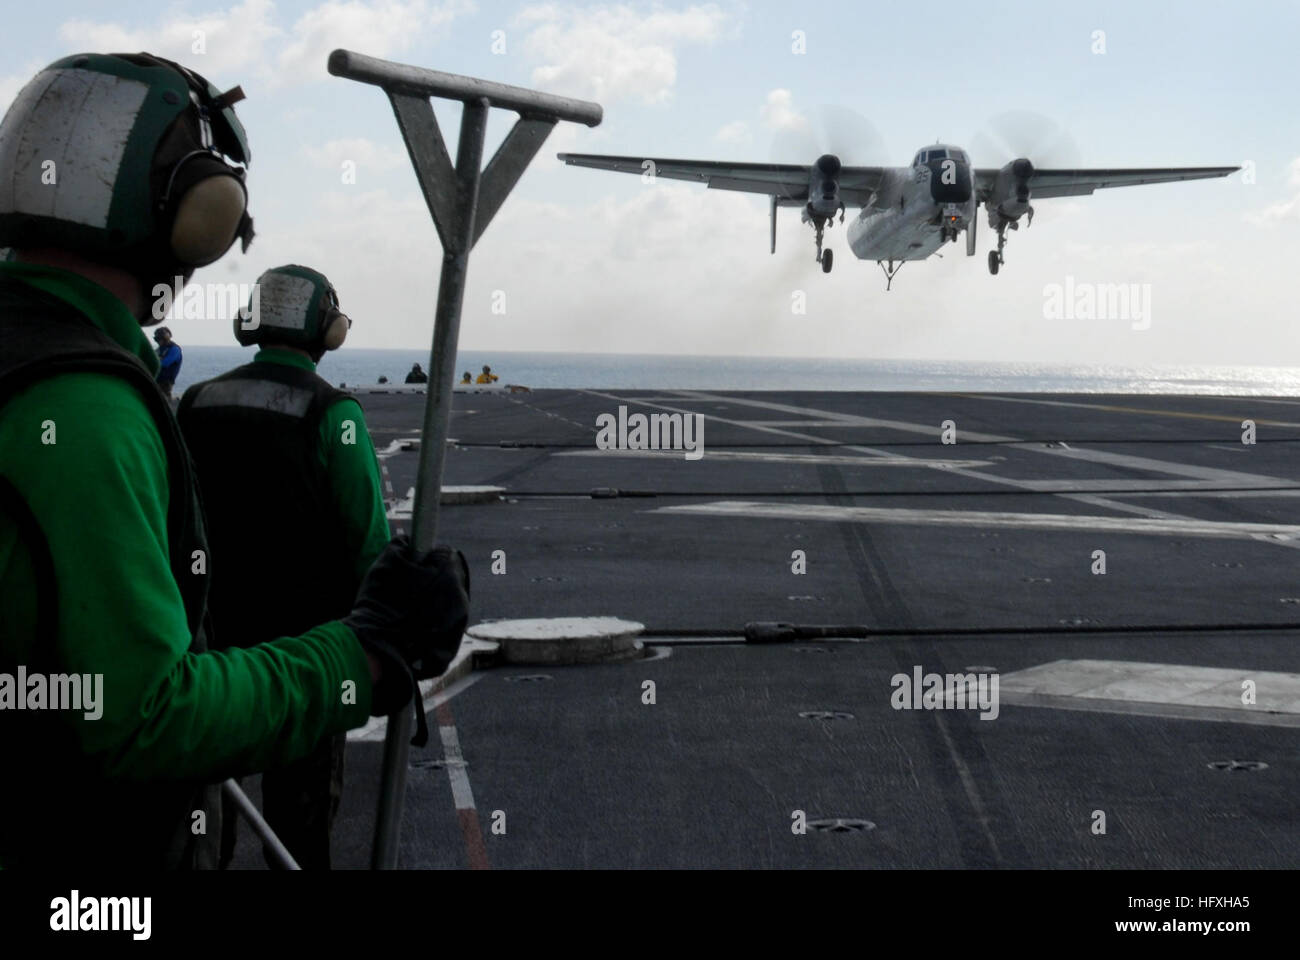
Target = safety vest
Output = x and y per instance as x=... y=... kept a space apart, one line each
x=282 y=566
x=95 y=820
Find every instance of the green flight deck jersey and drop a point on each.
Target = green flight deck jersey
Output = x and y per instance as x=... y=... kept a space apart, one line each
x=97 y=581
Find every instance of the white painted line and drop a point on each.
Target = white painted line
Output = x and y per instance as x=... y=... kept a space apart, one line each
x=1115 y=408
x=811 y=459
x=1129 y=461
x=985 y=518
x=460 y=790
x=1220 y=477
x=1158 y=689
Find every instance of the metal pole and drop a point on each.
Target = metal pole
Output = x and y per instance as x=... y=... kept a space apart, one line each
x=453 y=198
x=279 y=852
x=459 y=239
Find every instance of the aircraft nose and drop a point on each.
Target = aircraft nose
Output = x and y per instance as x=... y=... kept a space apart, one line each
x=950 y=181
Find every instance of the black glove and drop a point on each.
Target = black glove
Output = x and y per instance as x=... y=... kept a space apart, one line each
x=411 y=612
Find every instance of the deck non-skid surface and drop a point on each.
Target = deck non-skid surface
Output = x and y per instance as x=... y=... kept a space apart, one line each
x=981 y=556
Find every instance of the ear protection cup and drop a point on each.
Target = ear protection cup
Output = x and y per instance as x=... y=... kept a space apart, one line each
x=207 y=214
x=242 y=336
x=334 y=329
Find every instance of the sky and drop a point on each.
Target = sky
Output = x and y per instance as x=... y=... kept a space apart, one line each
x=592 y=261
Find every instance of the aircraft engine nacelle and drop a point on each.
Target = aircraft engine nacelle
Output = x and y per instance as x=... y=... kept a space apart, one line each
x=824 y=187
x=1010 y=198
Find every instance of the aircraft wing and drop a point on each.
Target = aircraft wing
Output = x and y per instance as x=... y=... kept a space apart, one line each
x=786 y=181
x=1080 y=183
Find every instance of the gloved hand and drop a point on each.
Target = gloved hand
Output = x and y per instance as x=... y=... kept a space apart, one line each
x=410 y=612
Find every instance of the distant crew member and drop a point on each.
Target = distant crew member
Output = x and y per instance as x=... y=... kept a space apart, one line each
x=290 y=553
x=466 y=377
x=383 y=379
x=487 y=376
x=104 y=563
x=417 y=375
x=169 y=359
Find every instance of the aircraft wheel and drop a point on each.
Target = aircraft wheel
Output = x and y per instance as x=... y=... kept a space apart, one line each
x=828 y=258
x=994 y=262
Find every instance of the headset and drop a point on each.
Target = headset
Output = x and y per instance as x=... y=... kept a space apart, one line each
x=335 y=324
x=203 y=204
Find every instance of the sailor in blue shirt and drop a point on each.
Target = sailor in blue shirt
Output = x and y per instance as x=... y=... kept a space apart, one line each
x=169 y=359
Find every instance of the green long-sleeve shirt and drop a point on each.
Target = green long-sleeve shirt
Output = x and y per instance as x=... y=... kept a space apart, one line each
x=100 y=495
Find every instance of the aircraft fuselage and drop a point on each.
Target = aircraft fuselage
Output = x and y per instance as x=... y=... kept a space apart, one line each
x=918 y=209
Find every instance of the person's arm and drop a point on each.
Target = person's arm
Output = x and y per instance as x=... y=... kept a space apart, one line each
x=171 y=361
x=355 y=483
x=100 y=495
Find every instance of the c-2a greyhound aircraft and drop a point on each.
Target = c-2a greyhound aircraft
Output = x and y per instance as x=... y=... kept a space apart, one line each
x=907 y=213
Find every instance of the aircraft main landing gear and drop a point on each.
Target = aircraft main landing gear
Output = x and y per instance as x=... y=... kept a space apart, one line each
x=995 y=256
x=825 y=257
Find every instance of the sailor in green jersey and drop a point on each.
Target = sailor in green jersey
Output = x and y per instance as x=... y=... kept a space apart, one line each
x=104 y=564
x=291 y=549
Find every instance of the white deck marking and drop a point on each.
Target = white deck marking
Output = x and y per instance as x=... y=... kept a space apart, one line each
x=806 y=458
x=1115 y=408
x=1128 y=461
x=1157 y=689
x=376 y=729
x=460 y=789
x=985 y=518
x=1220 y=477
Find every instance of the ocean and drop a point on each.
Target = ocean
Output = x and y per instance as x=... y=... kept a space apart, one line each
x=356 y=367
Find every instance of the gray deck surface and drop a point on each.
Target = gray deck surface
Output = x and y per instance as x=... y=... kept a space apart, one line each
x=709 y=776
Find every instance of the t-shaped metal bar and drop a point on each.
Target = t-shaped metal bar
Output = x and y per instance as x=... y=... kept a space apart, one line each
x=401 y=78
x=462 y=201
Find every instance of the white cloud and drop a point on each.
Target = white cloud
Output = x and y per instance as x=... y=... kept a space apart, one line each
x=211 y=43
x=1287 y=209
x=613 y=52
x=735 y=132
x=11 y=84
x=246 y=36
x=366 y=154
x=378 y=29
x=779 y=114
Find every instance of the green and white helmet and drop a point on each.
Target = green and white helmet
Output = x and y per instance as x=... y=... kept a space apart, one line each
x=127 y=159
x=296 y=306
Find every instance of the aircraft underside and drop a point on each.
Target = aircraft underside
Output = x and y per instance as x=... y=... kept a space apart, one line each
x=894 y=235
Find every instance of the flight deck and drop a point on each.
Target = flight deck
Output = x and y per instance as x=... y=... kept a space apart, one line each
x=1126 y=567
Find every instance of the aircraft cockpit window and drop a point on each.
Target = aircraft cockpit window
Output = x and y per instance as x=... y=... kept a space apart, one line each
x=938 y=154
x=920 y=159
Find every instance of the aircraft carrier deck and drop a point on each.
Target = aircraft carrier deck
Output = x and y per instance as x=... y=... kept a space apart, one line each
x=1159 y=694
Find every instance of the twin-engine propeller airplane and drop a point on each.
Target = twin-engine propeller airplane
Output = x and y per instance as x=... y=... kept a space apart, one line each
x=907 y=213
